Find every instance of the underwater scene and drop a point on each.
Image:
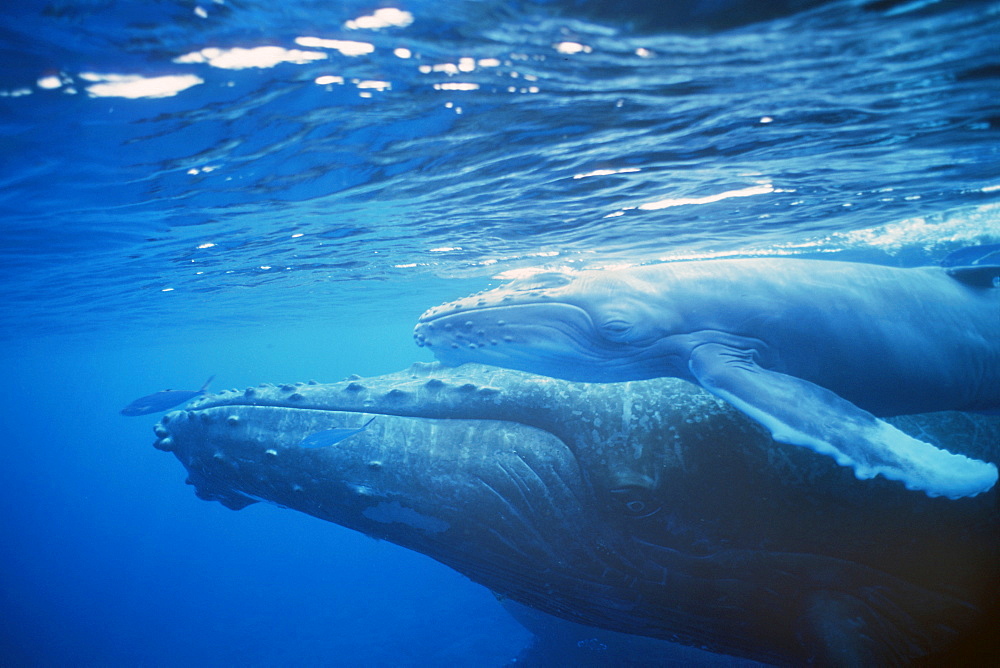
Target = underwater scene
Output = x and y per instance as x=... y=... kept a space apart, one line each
x=500 y=333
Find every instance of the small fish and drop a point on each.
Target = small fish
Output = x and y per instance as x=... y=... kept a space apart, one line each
x=161 y=401
x=322 y=439
x=976 y=265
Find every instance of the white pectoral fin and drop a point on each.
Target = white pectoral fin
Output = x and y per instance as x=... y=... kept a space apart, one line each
x=798 y=412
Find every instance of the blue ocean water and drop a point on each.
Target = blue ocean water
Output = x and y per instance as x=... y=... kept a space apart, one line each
x=275 y=191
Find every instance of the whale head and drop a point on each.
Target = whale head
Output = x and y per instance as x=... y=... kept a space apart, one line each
x=456 y=464
x=587 y=326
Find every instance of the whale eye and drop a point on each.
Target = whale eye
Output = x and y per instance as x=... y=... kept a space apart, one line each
x=636 y=501
x=616 y=329
x=636 y=506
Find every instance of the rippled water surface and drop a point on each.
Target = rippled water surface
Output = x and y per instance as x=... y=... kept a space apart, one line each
x=274 y=191
x=212 y=158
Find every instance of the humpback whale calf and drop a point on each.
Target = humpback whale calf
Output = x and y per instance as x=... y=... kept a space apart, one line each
x=815 y=350
x=647 y=507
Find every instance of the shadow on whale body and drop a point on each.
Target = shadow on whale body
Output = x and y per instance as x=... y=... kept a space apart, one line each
x=558 y=643
x=649 y=507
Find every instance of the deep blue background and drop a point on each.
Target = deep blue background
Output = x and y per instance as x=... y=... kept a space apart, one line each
x=265 y=228
x=109 y=559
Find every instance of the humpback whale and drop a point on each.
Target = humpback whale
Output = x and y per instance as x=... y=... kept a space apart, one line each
x=647 y=507
x=817 y=351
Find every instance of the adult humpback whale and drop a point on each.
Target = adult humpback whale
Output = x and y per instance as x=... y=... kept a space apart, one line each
x=646 y=507
x=814 y=350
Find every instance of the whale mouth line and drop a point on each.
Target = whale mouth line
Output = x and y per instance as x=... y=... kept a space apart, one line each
x=223 y=403
x=432 y=315
x=202 y=411
x=534 y=326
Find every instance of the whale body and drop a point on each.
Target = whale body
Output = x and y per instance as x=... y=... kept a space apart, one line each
x=649 y=507
x=817 y=351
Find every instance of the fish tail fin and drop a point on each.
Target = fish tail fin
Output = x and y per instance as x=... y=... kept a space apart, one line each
x=204 y=388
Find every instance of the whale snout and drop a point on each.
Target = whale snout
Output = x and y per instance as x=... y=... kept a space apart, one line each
x=453 y=337
x=552 y=338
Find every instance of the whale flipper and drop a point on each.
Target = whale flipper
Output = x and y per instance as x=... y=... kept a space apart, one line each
x=798 y=412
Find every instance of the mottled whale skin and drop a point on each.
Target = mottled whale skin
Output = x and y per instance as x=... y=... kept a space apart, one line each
x=648 y=507
x=814 y=350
